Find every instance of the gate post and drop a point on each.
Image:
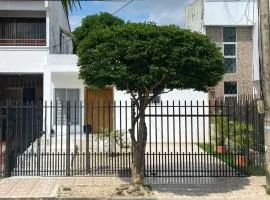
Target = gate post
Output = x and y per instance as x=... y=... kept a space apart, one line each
x=68 y=141
x=38 y=152
x=87 y=132
x=8 y=153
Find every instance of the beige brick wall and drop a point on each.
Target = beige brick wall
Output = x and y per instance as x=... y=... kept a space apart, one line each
x=243 y=75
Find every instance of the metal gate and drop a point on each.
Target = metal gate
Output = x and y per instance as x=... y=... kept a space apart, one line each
x=184 y=139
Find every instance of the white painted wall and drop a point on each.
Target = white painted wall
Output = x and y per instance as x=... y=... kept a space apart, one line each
x=195 y=16
x=22 y=60
x=169 y=128
x=61 y=71
x=57 y=21
x=224 y=13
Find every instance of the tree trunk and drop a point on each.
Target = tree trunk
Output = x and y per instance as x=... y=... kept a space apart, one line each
x=138 y=153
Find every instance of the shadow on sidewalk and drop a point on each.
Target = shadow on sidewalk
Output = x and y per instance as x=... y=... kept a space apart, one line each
x=197 y=186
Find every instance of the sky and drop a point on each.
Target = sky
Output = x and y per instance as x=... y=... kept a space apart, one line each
x=159 y=11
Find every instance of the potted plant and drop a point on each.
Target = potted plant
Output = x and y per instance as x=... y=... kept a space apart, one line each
x=222 y=131
x=243 y=139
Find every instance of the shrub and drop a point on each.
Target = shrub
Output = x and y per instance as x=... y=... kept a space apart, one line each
x=114 y=136
x=238 y=133
x=243 y=137
x=223 y=128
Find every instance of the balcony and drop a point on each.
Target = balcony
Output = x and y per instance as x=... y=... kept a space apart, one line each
x=22 y=31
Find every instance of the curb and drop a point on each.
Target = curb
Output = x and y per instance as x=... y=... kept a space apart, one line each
x=74 y=198
x=132 y=198
x=52 y=198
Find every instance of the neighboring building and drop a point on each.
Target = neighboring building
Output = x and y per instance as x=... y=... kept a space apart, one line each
x=233 y=26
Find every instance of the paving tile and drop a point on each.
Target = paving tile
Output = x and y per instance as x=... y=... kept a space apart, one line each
x=233 y=188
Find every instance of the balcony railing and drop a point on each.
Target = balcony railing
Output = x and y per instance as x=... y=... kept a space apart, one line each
x=22 y=31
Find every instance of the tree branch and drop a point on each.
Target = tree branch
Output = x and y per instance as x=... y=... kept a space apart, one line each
x=135 y=100
x=159 y=82
x=132 y=135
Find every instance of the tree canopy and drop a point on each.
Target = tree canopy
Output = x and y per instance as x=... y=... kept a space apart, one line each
x=145 y=56
x=94 y=22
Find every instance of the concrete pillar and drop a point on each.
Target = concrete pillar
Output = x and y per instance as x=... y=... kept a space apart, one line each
x=47 y=98
x=47 y=87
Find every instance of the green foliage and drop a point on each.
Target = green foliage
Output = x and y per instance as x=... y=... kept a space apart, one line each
x=114 y=136
x=223 y=128
x=146 y=57
x=94 y=22
x=243 y=137
x=229 y=158
x=106 y=134
x=239 y=133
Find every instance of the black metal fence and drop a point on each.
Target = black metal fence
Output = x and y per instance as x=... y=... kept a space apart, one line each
x=184 y=139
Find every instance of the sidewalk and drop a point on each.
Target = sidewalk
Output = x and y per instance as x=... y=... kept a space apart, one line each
x=233 y=188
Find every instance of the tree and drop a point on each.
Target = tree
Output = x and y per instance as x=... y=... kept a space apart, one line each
x=93 y=22
x=147 y=60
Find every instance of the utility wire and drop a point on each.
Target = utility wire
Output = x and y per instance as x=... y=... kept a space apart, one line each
x=230 y=17
x=125 y=5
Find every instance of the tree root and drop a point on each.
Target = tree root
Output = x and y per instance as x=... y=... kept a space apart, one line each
x=133 y=190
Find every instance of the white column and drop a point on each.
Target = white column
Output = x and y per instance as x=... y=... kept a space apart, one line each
x=47 y=28
x=47 y=98
x=47 y=86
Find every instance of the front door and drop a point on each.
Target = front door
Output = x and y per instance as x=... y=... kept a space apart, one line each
x=98 y=109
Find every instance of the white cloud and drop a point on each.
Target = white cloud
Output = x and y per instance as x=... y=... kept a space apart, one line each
x=167 y=11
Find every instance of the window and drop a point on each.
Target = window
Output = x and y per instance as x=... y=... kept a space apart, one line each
x=229 y=34
x=22 y=31
x=62 y=96
x=230 y=91
x=23 y=28
x=230 y=88
x=230 y=64
x=229 y=46
x=229 y=50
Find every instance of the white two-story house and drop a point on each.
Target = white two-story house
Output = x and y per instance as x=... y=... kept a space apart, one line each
x=35 y=53
x=36 y=61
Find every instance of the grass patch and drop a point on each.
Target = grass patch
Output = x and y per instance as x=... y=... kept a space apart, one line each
x=229 y=158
